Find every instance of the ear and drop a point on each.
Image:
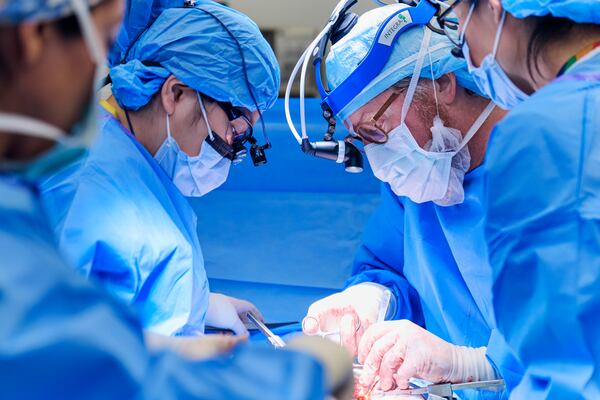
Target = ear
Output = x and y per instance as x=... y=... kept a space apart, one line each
x=30 y=39
x=496 y=7
x=171 y=94
x=446 y=87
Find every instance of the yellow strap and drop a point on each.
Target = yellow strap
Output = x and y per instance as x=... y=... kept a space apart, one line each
x=106 y=105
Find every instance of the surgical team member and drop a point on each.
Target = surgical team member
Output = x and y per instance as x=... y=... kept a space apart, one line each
x=184 y=89
x=60 y=336
x=423 y=248
x=541 y=59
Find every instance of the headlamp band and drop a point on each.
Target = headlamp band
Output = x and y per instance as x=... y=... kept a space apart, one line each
x=377 y=57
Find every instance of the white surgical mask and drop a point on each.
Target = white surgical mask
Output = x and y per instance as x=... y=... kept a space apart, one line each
x=490 y=77
x=193 y=176
x=69 y=147
x=433 y=174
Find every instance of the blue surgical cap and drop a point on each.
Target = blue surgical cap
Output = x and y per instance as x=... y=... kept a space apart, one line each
x=581 y=11
x=17 y=11
x=211 y=48
x=345 y=56
x=139 y=15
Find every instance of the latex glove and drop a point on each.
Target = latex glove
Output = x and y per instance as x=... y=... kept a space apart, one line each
x=228 y=313
x=335 y=360
x=242 y=307
x=193 y=347
x=348 y=313
x=399 y=350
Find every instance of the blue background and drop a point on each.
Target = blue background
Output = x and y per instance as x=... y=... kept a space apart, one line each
x=285 y=234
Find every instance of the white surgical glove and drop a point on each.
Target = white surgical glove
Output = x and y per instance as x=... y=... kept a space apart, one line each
x=226 y=312
x=348 y=314
x=399 y=350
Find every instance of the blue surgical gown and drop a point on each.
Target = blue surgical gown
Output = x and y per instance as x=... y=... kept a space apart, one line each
x=434 y=261
x=63 y=338
x=543 y=230
x=121 y=221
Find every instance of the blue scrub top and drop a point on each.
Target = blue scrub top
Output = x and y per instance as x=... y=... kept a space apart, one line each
x=543 y=231
x=121 y=221
x=434 y=260
x=63 y=338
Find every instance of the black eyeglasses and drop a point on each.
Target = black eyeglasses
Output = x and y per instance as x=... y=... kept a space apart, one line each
x=372 y=131
x=450 y=27
x=242 y=126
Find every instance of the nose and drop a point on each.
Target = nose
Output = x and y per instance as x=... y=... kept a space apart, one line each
x=239 y=125
x=229 y=135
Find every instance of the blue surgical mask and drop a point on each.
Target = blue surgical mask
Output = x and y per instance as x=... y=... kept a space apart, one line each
x=491 y=78
x=193 y=176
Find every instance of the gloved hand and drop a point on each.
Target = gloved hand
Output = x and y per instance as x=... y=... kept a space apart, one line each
x=229 y=313
x=193 y=347
x=242 y=307
x=335 y=360
x=399 y=350
x=348 y=313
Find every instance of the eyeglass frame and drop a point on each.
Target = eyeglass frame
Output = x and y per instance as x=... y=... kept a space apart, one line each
x=450 y=24
x=374 y=121
x=233 y=114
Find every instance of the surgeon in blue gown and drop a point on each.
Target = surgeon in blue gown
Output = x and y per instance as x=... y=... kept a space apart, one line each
x=61 y=337
x=543 y=191
x=186 y=90
x=423 y=259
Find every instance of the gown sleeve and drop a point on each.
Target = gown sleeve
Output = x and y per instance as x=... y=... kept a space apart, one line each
x=380 y=258
x=61 y=337
x=543 y=233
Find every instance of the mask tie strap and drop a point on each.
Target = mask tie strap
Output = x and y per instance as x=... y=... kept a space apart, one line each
x=412 y=87
x=477 y=125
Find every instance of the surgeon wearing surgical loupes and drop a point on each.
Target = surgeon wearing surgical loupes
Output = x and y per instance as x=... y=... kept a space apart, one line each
x=62 y=337
x=423 y=249
x=541 y=59
x=186 y=85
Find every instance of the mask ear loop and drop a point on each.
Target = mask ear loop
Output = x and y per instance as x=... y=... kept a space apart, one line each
x=412 y=87
x=169 y=126
x=467 y=22
x=205 y=116
x=499 y=35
